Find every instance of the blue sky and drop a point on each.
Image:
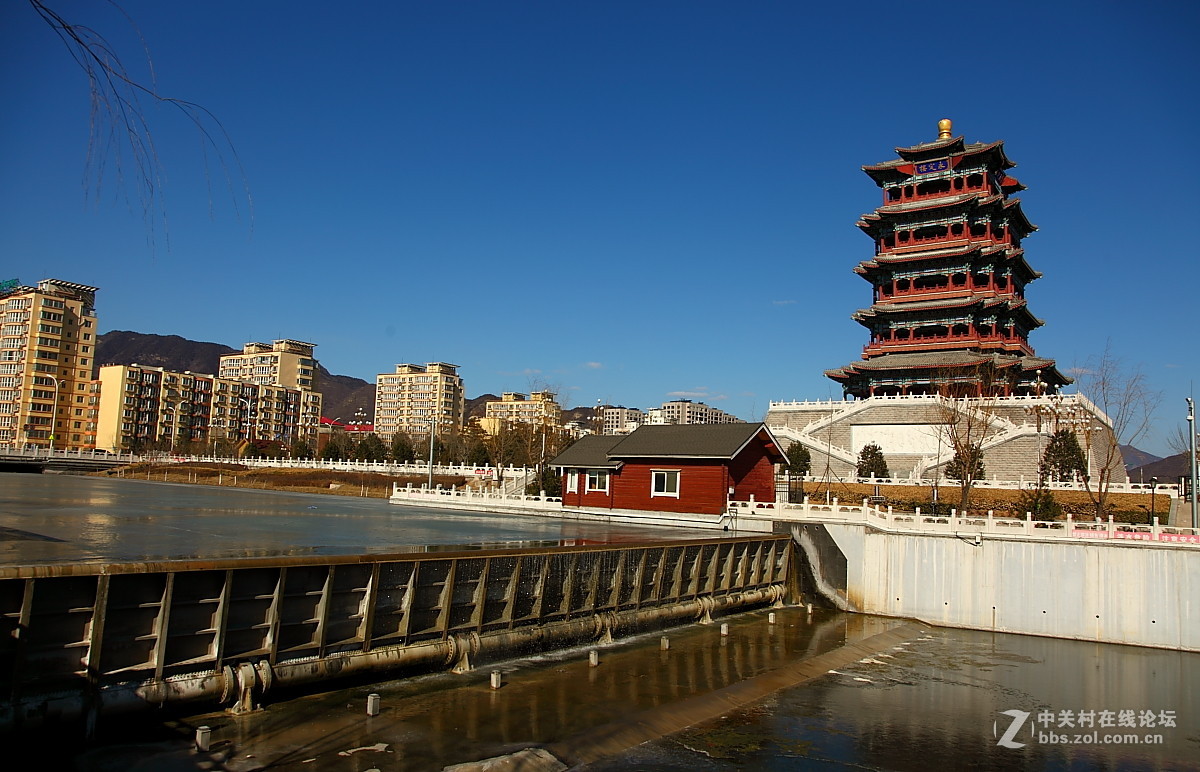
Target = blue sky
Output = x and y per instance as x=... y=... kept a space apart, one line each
x=628 y=201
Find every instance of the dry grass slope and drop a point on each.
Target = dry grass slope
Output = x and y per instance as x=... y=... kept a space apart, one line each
x=370 y=484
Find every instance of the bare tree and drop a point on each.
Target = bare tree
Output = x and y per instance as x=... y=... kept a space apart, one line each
x=506 y=445
x=966 y=418
x=965 y=423
x=120 y=129
x=1122 y=395
x=1179 y=443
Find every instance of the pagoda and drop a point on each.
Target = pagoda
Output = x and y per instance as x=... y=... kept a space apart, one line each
x=949 y=274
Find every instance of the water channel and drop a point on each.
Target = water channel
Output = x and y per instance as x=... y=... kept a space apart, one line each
x=821 y=691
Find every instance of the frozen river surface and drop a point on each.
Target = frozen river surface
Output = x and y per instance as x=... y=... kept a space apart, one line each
x=60 y=518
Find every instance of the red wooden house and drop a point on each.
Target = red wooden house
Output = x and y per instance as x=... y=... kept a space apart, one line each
x=694 y=468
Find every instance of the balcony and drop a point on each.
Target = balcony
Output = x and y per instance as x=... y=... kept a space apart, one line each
x=947 y=342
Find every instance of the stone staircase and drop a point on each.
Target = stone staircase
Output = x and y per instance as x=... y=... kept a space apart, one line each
x=787 y=435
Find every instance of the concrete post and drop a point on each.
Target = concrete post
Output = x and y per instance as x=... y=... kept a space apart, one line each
x=203 y=739
x=664 y=643
x=496 y=679
x=593 y=658
x=372 y=704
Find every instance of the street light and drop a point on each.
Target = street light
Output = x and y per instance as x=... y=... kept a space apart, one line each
x=432 y=418
x=175 y=425
x=1153 y=485
x=246 y=416
x=1191 y=418
x=54 y=413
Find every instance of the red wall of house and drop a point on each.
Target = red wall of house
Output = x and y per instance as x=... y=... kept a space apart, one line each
x=703 y=487
x=582 y=499
x=753 y=475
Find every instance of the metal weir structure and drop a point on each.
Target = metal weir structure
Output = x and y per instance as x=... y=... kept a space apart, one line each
x=79 y=640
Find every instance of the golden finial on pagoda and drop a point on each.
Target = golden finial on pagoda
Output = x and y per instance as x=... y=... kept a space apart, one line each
x=944 y=128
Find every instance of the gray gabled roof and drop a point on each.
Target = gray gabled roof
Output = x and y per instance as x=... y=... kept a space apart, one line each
x=690 y=441
x=590 y=452
x=687 y=440
x=723 y=441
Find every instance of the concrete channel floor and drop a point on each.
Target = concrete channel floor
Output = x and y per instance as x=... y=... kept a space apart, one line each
x=826 y=694
x=639 y=691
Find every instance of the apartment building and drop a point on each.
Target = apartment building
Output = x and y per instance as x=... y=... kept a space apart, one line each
x=539 y=408
x=287 y=363
x=621 y=420
x=139 y=405
x=415 y=397
x=284 y=362
x=47 y=344
x=684 y=411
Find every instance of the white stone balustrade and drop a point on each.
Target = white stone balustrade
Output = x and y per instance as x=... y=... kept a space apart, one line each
x=885 y=518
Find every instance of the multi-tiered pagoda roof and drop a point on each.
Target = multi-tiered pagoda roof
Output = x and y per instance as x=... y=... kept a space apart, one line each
x=949 y=278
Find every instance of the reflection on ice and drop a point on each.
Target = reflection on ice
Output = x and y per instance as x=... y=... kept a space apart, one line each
x=92 y=519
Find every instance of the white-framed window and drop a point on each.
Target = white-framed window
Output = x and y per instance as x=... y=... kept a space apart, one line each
x=597 y=481
x=664 y=482
x=572 y=481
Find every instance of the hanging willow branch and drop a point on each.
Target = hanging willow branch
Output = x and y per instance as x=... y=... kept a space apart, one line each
x=120 y=130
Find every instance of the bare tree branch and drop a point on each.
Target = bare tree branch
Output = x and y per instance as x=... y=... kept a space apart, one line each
x=118 y=125
x=1122 y=395
x=1178 y=441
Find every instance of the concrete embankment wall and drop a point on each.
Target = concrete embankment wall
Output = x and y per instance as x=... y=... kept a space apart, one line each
x=1095 y=591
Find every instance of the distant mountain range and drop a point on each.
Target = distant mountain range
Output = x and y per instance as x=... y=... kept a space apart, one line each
x=1168 y=469
x=477 y=407
x=1135 y=458
x=342 y=395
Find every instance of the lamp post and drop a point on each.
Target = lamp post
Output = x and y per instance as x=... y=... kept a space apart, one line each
x=1153 y=485
x=1191 y=419
x=54 y=414
x=1038 y=408
x=175 y=425
x=246 y=416
x=432 y=419
x=937 y=471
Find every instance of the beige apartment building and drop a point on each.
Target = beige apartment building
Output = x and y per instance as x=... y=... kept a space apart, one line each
x=47 y=345
x=139 y=405
x=414 y=397
x=623 y=420
x=539 y=408
x=616 y=419
x=287 y=363
x=684 y=411
x=280 y=363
